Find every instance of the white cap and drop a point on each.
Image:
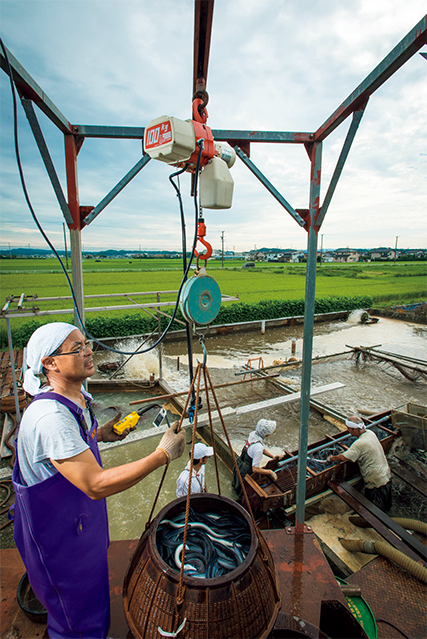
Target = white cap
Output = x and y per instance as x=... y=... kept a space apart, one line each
x=201 y=450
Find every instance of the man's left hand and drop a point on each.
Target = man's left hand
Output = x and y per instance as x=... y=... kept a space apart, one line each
x=109 y=435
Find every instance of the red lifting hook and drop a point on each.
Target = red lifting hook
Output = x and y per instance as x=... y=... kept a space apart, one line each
x=201 y=232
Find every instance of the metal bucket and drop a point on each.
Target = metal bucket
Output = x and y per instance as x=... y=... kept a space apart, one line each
x=242 y=604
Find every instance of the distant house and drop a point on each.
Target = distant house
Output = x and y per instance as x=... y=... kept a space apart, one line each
x=346 y=255
x=256 y=256
x=382 y=254
x=328 y=257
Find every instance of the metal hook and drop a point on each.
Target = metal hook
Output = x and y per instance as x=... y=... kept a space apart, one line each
x=205 y=354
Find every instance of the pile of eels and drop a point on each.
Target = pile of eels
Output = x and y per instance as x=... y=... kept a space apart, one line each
x=216 y=543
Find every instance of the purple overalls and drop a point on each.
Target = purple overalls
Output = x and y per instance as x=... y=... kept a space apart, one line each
x=62 y=536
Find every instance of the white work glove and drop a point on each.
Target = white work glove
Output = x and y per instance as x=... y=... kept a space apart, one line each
x=273 y=475
x=172 y=444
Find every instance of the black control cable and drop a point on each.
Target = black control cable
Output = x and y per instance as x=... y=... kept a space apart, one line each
x=200 y=144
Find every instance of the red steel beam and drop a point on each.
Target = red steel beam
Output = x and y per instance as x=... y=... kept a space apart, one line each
x=28 y=88
x=203 y=14
x=406 y=48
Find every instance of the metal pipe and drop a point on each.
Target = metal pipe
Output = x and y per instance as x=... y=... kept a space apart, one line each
x=338 y=440
x=12 y=367
x=268 y=185
x=310 y=291
x=357 y=116
x=116 y=189
x=44 y=152
x=159 y=348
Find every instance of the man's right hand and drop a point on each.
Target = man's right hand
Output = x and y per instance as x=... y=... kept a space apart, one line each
x=172 y=443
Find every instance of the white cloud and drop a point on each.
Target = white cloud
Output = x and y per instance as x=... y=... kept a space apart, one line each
x=274 y=65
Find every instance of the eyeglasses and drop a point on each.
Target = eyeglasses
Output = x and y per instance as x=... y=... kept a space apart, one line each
x=81 y=351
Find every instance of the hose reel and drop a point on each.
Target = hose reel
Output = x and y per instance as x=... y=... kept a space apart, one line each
x=200 y=299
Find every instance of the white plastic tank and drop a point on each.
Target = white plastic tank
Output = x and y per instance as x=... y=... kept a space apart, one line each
x=216 y=185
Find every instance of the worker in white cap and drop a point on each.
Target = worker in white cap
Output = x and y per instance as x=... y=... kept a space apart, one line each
x=373 y=465
x=60 y=516
x=198 y=481
x=250 y=458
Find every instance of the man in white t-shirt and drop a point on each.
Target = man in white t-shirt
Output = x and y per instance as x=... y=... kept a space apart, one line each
x=198 y=482
x=370 y=456
x=60 y=513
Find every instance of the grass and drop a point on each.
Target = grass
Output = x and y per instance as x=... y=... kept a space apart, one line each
x=386 y=283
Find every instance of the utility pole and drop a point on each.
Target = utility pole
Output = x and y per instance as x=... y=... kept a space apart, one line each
x=321 y=249
x=65 y=244
x=10 y=251
x=222 y=241
x=395 y=250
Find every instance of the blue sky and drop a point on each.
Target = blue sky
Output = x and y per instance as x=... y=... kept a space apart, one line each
x=274 y=65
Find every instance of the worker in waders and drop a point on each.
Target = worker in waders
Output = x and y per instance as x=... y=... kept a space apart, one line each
x=369 y=454
x=61 y=525
x=250 y=458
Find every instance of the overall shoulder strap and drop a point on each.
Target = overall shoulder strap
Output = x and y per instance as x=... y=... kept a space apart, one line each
x=72 y=406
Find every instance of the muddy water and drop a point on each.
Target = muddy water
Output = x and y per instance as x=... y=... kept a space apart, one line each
x=370 y=386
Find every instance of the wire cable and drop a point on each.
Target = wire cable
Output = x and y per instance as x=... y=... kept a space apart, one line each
x=393 y=626
x=47 y=240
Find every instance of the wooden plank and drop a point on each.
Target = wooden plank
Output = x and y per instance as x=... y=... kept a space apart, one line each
x=409 y=477
x=381 y=522
x=285 y=399
x=182 y=393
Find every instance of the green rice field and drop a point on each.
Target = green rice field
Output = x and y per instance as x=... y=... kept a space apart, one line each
x=386 y=283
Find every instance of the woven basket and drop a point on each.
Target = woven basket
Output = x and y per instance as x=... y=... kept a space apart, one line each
x=242 y=604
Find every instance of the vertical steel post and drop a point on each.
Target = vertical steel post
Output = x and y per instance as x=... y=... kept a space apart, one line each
x=159 y=348
x=75 y=230
x=12 y=368
x=315 y=152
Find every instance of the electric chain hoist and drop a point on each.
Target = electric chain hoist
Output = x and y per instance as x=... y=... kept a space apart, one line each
x=188 y=143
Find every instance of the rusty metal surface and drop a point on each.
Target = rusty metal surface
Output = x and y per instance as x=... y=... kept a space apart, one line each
x=381 y=522
x=119 y=556
x=13 y=621
x=305 y=577
x=395 y=596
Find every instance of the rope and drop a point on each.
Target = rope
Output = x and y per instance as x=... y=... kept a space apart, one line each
x=212 y=433
x=157 y=495
x=4 y=484
x=260 y=540
x=180 y=592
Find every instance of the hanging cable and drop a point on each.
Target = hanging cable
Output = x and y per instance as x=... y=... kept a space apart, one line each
x=177 y=188
x=47 y=240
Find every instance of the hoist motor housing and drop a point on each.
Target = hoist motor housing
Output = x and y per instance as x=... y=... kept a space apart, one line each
x=173 y=141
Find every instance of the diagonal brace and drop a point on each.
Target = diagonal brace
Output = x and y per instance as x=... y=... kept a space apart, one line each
x=116 y=190
x=44 y=152
x=357 y=116
x=268 y=185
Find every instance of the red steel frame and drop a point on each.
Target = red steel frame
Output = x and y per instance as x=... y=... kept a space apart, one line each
x=310 y=219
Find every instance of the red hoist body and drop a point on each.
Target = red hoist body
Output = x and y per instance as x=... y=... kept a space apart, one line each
x=174 y=142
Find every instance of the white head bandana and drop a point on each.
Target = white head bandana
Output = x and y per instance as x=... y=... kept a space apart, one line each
x=350 y=424
x=263 y=428
x=43 y=342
